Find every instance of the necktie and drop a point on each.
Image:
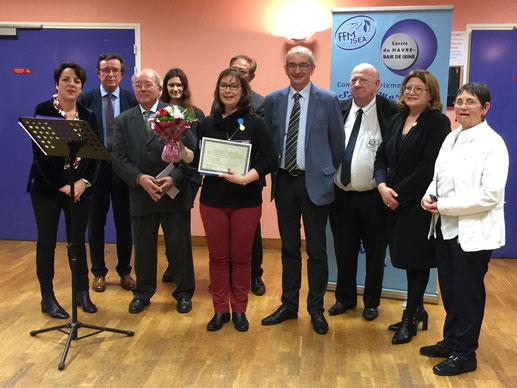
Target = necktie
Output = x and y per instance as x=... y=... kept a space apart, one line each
x=109 y=111
x=349 y=152
x=147 y=116
x=292 y=135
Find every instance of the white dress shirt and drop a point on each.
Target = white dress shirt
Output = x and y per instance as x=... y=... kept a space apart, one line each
x=368 y=140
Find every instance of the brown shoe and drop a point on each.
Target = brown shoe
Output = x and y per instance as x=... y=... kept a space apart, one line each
x=99 y=283
x=127 y=282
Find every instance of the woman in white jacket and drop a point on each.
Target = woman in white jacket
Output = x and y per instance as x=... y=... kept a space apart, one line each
x=466 y=198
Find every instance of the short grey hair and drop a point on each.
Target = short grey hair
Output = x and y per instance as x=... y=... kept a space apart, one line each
x=300 y=50
x=157 y=78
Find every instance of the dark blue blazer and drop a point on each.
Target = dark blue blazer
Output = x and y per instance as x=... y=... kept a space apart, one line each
x=324 y=139
x=93 y=100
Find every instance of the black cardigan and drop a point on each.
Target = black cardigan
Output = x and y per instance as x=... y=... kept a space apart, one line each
x=47 y=174
x=218 y=192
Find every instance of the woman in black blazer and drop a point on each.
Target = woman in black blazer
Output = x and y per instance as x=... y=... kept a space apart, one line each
x=403 y=169
x=50 y=191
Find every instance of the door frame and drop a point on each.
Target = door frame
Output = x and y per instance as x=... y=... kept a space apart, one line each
x=474 y=27
x=115 y=26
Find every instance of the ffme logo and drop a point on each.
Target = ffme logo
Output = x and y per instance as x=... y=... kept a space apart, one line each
x=355 y=32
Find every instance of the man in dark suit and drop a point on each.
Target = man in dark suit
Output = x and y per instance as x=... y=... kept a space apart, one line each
x=137 y=160
x=107 y=101
x=358 y=213
x=307 y=127
x=247 y=67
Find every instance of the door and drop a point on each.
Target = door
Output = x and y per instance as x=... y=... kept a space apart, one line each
x=493 y=61
x=27 y=64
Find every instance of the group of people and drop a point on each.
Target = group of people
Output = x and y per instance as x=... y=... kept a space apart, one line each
x=384 y=173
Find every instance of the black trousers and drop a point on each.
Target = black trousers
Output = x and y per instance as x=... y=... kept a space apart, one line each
x=293 y=203
x=109 y=187
x=354 y=217
x=47 y=210
x=257 y=254
x=461 y=277
x=176 y=233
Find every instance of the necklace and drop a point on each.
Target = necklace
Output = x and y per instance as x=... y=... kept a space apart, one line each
x=233 y=134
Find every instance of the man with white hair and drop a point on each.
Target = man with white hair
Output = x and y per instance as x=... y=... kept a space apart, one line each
x=137 y=160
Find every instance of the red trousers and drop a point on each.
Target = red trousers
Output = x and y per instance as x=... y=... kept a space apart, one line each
x=229 y=236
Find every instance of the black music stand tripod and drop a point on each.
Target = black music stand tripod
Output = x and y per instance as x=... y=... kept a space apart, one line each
x=69 y=138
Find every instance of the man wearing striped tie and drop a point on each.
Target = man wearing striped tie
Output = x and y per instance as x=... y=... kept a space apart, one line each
x=306 y=123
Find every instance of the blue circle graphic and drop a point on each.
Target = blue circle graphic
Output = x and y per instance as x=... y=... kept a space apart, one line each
x=424 y=38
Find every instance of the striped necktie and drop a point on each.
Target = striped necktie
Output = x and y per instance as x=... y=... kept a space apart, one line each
x=292 y=135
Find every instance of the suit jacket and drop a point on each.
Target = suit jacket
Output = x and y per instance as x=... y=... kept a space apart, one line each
x=386 y=109
x=324 y=139
x=410 y=165
x=138 y=151
x=93 y=100
x=47 y=173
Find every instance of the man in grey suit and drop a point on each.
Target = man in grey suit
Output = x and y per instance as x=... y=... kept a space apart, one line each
x=307 y=127
x=107 y=101
x=358 y=213
x=137 y=160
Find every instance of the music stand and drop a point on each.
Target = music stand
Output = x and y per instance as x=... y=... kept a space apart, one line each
x=71 y=139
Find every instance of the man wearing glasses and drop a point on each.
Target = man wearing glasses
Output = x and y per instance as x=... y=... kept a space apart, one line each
x=307 y=127
x=358 y=213
x=107 y=101
x=137 y=159
x=247 y=67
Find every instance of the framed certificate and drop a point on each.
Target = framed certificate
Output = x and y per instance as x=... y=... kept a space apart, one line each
x=217 y=156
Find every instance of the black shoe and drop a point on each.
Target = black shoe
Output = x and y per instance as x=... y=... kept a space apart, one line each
x=440 y=350
x=240 y=322
x=406 y=331
x=257 y=286
x=455 y=366
x=339 y=308
x=280 y=315
x=218 y=320
x=50 y=306
x=421 y=316
x=83 y=299
x=137 y=305
x=184 y=305
x=370 y=313
x=319 y=323
x=167 y=276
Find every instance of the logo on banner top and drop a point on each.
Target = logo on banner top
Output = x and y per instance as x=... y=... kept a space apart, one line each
x=355 y=32
x=407 y=45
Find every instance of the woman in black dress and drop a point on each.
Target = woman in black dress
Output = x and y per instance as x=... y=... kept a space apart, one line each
x=403 y=169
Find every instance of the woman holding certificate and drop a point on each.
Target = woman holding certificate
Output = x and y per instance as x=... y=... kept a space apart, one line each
x=50 y=192
x=231 y=203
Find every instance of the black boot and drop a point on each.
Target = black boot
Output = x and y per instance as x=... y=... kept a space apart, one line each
x=421 y=316
x=83 y=299
x=50 y=306
x=407 y=329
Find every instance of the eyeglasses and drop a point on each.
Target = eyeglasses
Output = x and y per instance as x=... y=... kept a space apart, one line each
x=291 y=66
x=107 y=71
x=147 y=86
x=471 y=103
x=416 y=89
x=233 y=87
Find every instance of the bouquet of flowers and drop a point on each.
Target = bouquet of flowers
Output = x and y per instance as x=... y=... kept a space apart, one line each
x=171 y=123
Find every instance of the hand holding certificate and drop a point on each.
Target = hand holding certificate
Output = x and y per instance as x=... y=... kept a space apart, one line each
x=219 y=156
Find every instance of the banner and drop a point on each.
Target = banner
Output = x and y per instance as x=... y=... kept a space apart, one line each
x=395 y=40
